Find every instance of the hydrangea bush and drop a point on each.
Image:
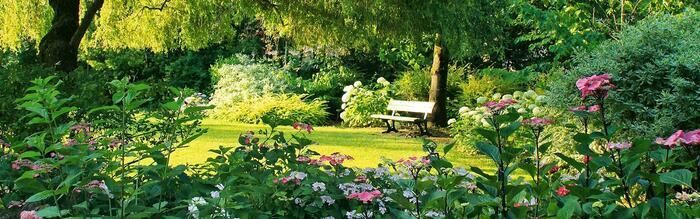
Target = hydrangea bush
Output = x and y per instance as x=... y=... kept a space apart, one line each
x=361 y=101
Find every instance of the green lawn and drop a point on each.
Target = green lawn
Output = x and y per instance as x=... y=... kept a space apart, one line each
x=366 y=145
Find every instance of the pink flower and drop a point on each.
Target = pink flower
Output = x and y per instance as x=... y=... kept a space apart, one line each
x=365 y=197
x=586 y=159
x=619 y=145
x=594 y=108
x=692 y=137
x=335 y=158
x=537 y=122
x=303 y=126
x=303 y=159
x=498 y=106
x=29 y=215
x=71 y=142
x=673 y=140
x=554 y=170
x=597 y=85
x=578 y=109
x=562 y=191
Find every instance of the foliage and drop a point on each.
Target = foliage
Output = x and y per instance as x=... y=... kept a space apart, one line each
x=361 y=101
x=324 y=85
x=415 y=84
x=490 y=81
x=654 y=65
x=562 y=27
x=282 y=107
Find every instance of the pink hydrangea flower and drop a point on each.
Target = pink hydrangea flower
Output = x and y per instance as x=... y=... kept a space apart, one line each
x=619 y=145
x=594 y=108
x=29 y=215
x=597 y=85
x=537 y=122
x=692 y=137
x=562 y=191
x=673 y=140
x=365 y=197
x=303 y=126
x=498 y=106
x=335 y=158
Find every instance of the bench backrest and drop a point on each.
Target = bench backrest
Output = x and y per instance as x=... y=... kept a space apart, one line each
x=411 y=106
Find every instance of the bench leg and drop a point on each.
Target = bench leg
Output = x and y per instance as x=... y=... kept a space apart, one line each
x=390 y=127
x=423 y=127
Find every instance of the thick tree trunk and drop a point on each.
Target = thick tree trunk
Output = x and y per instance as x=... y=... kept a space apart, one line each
x=438 y=84
x=59 y=47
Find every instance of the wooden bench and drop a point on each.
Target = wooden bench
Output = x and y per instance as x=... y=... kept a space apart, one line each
x=411 y=107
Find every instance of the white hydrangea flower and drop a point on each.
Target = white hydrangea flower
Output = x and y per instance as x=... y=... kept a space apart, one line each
x=348 y=88
x=343 y=106
x=318 y=187
x=522 y=110
x=220 y=186
x=496 y=96
x=345 y=98
x=215 y=194
x=297 y=175
x=481 y=100
x=193 y=210
x=382 y=81
x=463 y=110
x=537 y=111
x=343 y=115
x=517 y=94
x=434 y=214
x=327 y=200
x=357 y=84
x=199 y=201
x=530 y=94
x=460 y=171
x=449 y=122
x=507 y=97
x=540 y=99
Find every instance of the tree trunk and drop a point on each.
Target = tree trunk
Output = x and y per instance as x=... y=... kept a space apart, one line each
x=59 y=47
x=438 y=84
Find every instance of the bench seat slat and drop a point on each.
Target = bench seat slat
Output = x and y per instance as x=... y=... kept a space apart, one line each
x=397 y=118
x=411 y=106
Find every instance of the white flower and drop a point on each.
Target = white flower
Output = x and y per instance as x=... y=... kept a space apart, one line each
x=460 y=171
x=299 y=202
x=345 y=98
x=433 y=214
x=220 y=186
x=215 y=194
x=348 y=88
x=530 y=94
x=357 y=84
x=507 y=96
x=343 y=106
x=496 y=96
x=327 y=200
x=193 y=210
x=318 y=187
x=517 y=94
x=463 y=110
x=199 y=201
x=297 y=175
x=522 y=111
x=329 y=217
x=343 y=115
x=481 y=100
x=382 y=81
x=449 y=122
x=537 y=111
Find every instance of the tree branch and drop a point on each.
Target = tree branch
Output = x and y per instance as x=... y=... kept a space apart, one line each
x=162 y=6
x=85 y=23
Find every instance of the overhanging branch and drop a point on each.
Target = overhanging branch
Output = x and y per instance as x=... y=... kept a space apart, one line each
x=85 y=23
x=160 y=8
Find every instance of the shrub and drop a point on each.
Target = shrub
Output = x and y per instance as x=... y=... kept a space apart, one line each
x=288 y=108
x=490 y=81
x=361 y=101
x=655 y=65
x=324 y=85
x=244 y=81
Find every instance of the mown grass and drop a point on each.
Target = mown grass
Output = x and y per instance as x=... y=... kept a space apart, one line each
x=367 y=145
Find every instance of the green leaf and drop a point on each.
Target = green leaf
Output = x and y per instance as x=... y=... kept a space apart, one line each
x=570 y=206
x=510 y=129
x=40 y=196
x=488 y=134
x=578 y=165
x=677 y=177
x=489 y=150
x=448 y=147
x=51 y=212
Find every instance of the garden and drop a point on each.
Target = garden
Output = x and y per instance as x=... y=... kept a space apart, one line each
x=349 y=109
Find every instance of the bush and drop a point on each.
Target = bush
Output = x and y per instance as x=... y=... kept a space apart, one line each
x=490 y=81
x=282 y=107
x=655 y=65
x=361 y=101
x=324 y=86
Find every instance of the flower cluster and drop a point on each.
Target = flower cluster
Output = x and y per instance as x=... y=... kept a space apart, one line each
x=537 y=122
x=590 y=109
x=495 y=107
x=596 y=85
x=303 y=127
x=335 y=158
x=294 y=176
x=619 y=145
x=100 y=185
x=366 y=196
x=680 y=137
x=29 y=215
x=562 y=191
